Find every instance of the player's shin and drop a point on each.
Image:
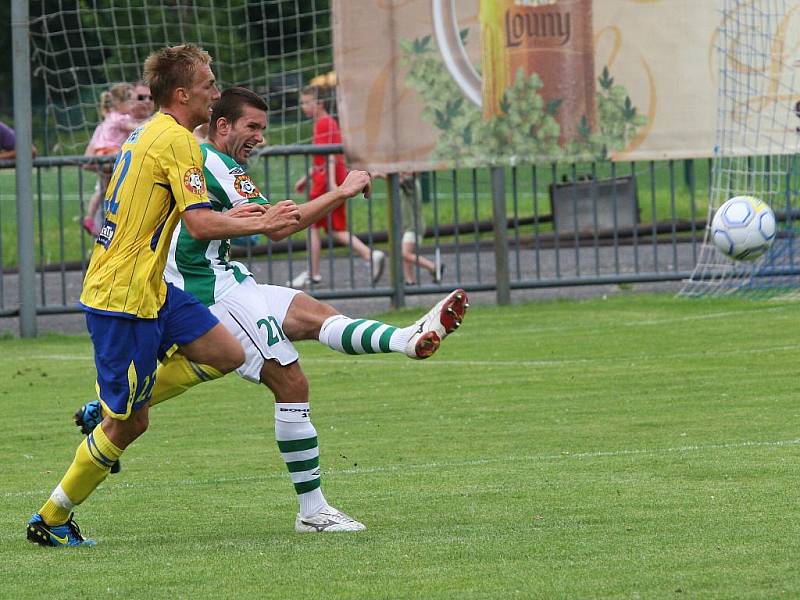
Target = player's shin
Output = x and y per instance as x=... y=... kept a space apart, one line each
x=177 y=374
x=90 y=467
x=362 y=336
x=297 y=442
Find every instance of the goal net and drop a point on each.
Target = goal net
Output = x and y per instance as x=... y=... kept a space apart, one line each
x=81 y=48
x=758 y=130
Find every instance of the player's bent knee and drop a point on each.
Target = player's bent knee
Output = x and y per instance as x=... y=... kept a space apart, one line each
x=293 y=387
x=227 y=355
x=288 y=383
x=141 y=423
x=231 y=360
x=299 y=384
x=218 y=349
x=123 y=432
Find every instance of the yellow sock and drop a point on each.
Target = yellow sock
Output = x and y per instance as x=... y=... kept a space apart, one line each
x=91 y=466
x=177 y=374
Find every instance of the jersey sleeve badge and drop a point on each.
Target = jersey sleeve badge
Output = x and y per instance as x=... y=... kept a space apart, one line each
x=245 y=187
x=194 y=181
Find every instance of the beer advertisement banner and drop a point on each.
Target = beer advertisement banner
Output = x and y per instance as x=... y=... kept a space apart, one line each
x=431 y=84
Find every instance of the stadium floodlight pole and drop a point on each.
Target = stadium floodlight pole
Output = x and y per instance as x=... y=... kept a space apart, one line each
x=24 y=167
x=500 y=225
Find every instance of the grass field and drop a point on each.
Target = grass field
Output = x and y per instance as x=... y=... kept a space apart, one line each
x=635 y=447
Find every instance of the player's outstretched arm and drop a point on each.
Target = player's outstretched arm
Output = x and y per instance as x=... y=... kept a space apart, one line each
x=355 y=183
x=206 y=224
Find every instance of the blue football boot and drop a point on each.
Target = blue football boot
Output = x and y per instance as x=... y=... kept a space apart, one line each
x=67 y=534
x=89 y=416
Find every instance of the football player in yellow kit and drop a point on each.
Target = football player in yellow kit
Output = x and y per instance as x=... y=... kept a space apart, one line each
x=135 y=318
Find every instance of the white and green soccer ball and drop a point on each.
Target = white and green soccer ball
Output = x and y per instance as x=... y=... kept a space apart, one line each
x=743 y=228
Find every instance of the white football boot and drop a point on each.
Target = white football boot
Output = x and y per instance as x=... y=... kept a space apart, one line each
x=439 y=322
x=328 y=519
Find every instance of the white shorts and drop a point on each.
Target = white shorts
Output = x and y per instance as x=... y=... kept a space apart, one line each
x=254 y=314
x=412 y=237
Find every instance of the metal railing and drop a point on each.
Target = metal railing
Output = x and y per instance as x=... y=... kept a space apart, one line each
x=496 y=228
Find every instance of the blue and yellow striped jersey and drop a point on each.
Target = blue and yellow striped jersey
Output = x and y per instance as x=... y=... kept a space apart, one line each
x=157 y=176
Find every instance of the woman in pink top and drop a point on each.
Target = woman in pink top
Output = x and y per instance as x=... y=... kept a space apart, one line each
x=108 y=137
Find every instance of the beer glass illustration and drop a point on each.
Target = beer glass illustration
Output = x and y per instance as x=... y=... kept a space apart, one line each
x=552 y=38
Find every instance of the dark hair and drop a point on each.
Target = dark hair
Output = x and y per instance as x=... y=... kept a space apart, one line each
x=167 y=69
x=230 y=105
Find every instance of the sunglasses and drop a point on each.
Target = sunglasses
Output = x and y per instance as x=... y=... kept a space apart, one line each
x=143 y=97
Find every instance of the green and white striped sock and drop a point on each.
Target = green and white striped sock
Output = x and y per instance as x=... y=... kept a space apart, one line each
x=297 y=442
x=363 y=336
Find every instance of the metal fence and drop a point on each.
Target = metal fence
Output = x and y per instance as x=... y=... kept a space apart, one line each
x=493 y=229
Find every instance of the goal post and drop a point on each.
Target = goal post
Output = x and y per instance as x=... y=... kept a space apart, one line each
x=757 y=142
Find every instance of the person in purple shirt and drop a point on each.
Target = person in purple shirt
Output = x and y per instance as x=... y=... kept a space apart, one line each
x=8 y=142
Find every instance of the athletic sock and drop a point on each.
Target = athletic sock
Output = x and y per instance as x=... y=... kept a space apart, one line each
x=177 y=374
x=91 y=465
x=297 y=442
x=363 y=336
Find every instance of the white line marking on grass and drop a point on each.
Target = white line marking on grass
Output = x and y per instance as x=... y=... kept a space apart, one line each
x=566 y=455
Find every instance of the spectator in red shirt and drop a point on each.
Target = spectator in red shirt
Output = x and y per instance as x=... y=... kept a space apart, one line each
x=327 y=172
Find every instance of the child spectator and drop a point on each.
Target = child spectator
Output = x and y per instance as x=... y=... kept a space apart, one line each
x=414 y=231
x=109 y=135
x=413 y=224
x=326 y=173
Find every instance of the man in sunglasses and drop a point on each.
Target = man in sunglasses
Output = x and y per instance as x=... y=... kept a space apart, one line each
x=142 y=107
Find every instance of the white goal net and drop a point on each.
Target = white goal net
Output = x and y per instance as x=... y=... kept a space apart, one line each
x=758 y=138
x=81 y=48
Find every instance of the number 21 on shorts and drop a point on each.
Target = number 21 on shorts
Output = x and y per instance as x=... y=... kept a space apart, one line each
x=274 y=332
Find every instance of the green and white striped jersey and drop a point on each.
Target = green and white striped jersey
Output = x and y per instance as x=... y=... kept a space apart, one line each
x=204 y=268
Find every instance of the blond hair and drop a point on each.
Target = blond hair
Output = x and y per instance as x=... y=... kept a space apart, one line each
x=322 y=94
x=111 y=99
x=169 y=68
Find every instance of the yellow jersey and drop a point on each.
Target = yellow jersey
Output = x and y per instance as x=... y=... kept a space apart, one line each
x=157 y=176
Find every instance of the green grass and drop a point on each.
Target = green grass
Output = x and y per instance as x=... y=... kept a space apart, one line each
x=62 y=195
x=637 y=447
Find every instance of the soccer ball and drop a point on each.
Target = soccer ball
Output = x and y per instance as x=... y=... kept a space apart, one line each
x=743 y=228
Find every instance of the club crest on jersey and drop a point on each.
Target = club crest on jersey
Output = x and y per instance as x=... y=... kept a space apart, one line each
x=245 y=187
x=194 y=181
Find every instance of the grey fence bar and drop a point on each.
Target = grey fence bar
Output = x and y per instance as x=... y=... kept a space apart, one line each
x=23 y=122
x=500 y=226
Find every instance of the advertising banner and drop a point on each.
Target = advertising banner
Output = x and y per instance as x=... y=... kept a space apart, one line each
x=431 y=84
